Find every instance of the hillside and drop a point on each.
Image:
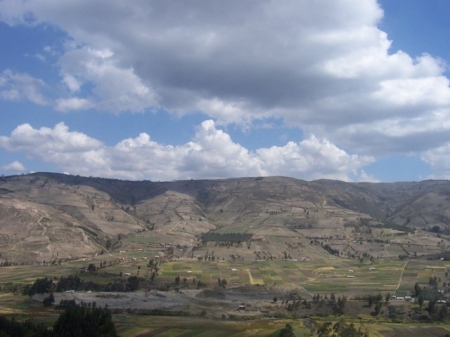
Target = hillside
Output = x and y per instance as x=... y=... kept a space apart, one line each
x=47 y=216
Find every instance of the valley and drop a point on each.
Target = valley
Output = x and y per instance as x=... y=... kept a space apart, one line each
x=235 y=250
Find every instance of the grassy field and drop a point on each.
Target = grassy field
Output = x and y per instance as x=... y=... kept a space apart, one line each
x=186 y=327
x=321 y=276
x=196 y=327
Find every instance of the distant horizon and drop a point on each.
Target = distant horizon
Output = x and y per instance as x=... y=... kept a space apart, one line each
x=227 y=178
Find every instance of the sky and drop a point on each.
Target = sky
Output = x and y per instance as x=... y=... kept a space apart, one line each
x=353 y=90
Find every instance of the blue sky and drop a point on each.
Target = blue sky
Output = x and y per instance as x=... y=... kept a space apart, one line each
x=355 y=90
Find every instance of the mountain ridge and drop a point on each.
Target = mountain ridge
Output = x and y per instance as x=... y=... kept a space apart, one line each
x=57 y=216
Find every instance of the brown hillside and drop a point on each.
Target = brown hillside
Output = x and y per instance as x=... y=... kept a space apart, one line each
x=47 y=216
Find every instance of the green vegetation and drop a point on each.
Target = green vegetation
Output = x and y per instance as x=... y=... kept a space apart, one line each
x=226 y=237
x=391 y=225
x=75 y=321
x=326 y=279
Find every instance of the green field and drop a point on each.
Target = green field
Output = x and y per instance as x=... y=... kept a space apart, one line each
x=196 y=327
x=321 y=276
x=337 y=275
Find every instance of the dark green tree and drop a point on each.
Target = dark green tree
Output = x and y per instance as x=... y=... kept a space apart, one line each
x=378 y=307
x=417 y=289
x=40 y=286
x=287 y=331
x=420 y=300
x=133 y=283
x=48 y=301
x=78 y=322
x=341 y=304
x=431 y=305
x=13 y=328
x=370 y=301
x=92 y=268
x=224 y=283
x=333 y=297
x=443 y=312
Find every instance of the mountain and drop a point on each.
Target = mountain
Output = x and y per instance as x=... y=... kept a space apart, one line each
x=48 y=216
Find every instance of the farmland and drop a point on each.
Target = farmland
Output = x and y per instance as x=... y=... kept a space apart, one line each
x=240 y=256
x=253 y=282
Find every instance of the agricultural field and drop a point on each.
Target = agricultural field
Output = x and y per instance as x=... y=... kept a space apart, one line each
x=239 y=256
x=256 y=283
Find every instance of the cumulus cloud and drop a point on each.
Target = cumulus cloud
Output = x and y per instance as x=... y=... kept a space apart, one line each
x=46 y=142
x=15 y=166
x=210 y=154
x=116 y=88
x=310 y=154
x=437 y=158
x=321 y=66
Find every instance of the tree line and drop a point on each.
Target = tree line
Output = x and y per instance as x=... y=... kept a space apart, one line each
x=75 y=321
x=71 y=282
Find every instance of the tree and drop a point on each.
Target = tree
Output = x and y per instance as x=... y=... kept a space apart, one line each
x=287 y=331
x=48 y=301
x=443 y=312
x=417 y=289
x=69 y=282
x=343 y=329
x=333 y=297
x=25 y=328
x=431 y=304
x=324 y=329
x=370 y=301
x=40 y=286
x=420 y=301
x=79 y=321
x=378 y=307
x=133 y=283
x=341 y=303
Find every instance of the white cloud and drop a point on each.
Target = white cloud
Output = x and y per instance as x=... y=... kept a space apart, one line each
x=438 y=159
x=116 y=88
x=322 y=66
x=72 y=83
x=368 y=178
x=14 y=166
x=313 y=157
x=15 y=87
x=47 y=143
x=210 y=154
x=213 y=154
x=73 y=103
